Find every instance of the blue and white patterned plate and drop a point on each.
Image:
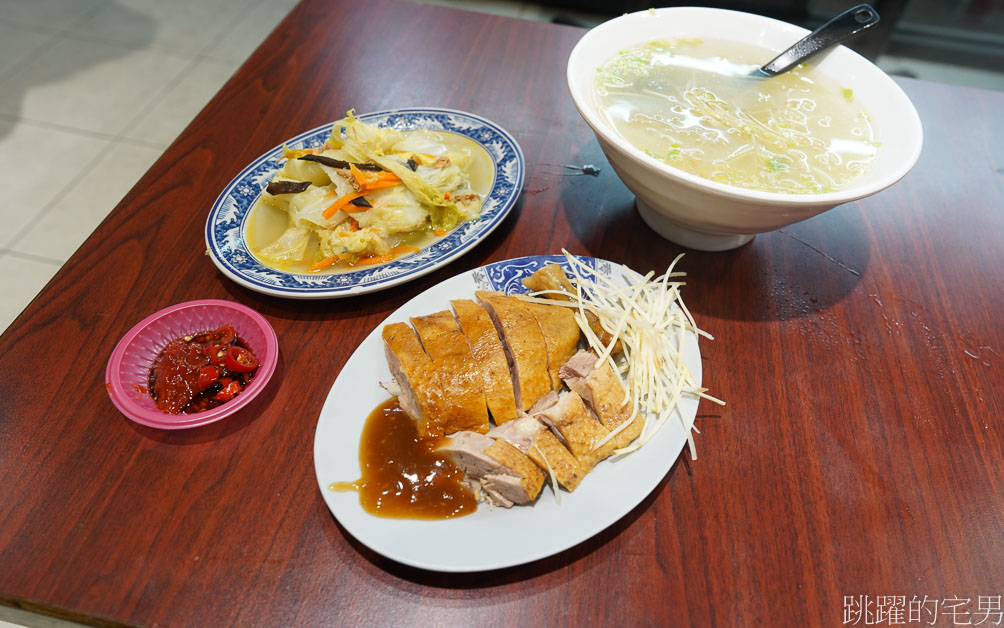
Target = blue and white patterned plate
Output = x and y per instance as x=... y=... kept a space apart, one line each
x=227 y=222
x=610 y=491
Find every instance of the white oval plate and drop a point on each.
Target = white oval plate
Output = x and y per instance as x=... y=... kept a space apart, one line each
x=227 y=221
x=485 y=539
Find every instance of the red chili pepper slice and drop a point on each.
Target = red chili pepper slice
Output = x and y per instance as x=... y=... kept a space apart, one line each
x=226 y=334
x=208 y=375
x=230 y=389
x=217 y=353
x=240 y=360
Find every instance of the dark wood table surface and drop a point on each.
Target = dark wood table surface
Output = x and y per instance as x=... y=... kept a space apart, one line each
x=861 y=354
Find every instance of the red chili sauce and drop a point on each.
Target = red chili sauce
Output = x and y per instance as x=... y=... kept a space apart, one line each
x=201 y=371
x=404 y=477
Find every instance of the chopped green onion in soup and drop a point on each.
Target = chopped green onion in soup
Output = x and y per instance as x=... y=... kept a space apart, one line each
x=691 y=104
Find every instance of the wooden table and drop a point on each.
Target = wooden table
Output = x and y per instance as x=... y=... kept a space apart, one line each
x=861 y=354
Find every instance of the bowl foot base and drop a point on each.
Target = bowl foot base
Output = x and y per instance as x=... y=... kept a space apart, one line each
x=690 y=238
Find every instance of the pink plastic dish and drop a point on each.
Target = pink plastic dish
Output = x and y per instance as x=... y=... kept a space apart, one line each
x=128 y=372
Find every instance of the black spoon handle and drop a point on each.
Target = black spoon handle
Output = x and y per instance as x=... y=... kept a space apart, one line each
x=847 y=24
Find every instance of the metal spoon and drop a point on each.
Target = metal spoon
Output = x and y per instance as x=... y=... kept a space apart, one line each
x=846 y=25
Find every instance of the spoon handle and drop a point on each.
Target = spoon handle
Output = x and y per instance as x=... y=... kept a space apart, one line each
x=849 y=23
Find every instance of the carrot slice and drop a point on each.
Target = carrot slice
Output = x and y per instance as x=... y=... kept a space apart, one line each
x=367 y=179
x=358 y=175
x=377 y=185
x=342 y=202
x=373 y=180
x=296 y=153
x=374 y=259
x=397 y=250
x=324 y=263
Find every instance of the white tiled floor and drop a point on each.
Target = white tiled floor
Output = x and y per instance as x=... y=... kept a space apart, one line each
x=16 y=618
x=105 y=85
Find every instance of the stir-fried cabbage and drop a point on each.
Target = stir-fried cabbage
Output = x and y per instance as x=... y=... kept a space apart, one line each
x=343 y=239
x=395 y=210
x=290 y=247
x=373 y=191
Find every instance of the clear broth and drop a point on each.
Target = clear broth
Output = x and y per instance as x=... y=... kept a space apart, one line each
x=690 y=104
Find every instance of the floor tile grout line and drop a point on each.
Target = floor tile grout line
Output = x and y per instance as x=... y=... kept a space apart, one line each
x=31 y=26
x=33 y=257
x=52 y=36
x=59 y=196
x=118 y=137
x=98 y=135
x=167 y=49
x=204 y=53
x=121 y=135
x=73 y=180
x=68 y=32
x=233 y=24
x=148 y=108
x=84 y=12
x=219 y=62
x=160 y=49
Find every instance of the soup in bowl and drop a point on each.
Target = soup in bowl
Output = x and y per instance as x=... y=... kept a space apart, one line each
x=714 y=156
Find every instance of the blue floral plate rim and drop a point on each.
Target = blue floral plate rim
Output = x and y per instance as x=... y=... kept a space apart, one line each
x=227 y=219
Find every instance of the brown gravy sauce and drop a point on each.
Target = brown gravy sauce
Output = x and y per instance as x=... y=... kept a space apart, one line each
x=402 y=475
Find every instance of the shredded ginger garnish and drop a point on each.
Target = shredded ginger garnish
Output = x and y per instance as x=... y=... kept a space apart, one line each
x=550 y=473
x=649 y=318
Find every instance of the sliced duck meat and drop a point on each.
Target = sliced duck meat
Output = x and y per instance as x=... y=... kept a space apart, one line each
x=519 y=433
x=544 y=402
x=529 y=436
x=392 y=387
x=553 y=277
x=474 y=486
x=550 y=277
x=490 y=491
x=600 y=387
x=523 y=342
x=487 y=351
x=504 y=473
x=468 y=452
x=415 y=380
x=574 y=425
x=506 y=490
x=602 y=390
x=530 y=477
x=579 y=366
x=561 y=336
x=460 y=380
x=549 y=454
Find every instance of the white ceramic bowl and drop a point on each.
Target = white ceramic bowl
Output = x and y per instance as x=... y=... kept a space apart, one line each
x=710 y=216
